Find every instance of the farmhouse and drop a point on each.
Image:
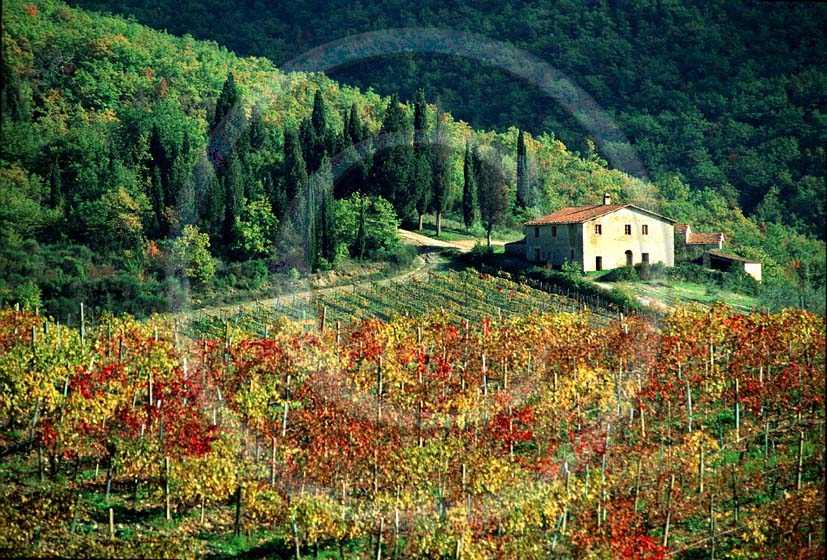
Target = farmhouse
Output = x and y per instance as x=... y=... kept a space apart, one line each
x=600 y=237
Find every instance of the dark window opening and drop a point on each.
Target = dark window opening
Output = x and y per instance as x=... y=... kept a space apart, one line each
x=629 y=259
x=598 y=229
x=644 y=257
x=598 y=263
x=554 y=231
x=627 y=229
x=645 y=229
x=536 y=231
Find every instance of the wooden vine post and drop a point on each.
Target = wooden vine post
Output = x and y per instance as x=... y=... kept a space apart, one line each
x=237 y=529
x=800 y=462
x=167 y=514
x=668 y=511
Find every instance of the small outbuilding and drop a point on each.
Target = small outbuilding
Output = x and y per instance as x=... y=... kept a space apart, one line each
x=718 y=260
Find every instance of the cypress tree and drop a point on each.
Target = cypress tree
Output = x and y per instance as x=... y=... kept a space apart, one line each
x=492 y=190
x=318 y=118
x=354 y=178
x=361 y=233
x=157 y=190
x=309 y=145
x=229 y=97
x=469 y=189
x=392 y=167
x=422 y=177
x=326 y=239
x=295 y=170
x=311 y=236
x=233 y=197
x=525 y=197
x=258 y=131
x=278 y=197
x=355 y=132
x=440 y=168
x=213 y=216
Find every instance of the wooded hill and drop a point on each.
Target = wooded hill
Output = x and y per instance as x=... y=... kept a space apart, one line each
x=133 y=161
x=725 y=95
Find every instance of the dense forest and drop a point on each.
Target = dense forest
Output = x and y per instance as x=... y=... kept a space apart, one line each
x=139 y=170
x=727 y=95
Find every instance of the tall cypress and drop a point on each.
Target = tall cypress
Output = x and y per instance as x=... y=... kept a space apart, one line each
x=422 y=177
x=525 y=197
x=295 y=170
x=492 y=190
x=278 y=197
x=469 y=189
x=309 y=145
x=229 y=97
x=326 y=239
x=361 y=233
x=157 y=191
x=233 y=197
x=354 y=178
x=440 y=168
x=311 y=236
x=213 y=214
x=355 y=132
x=392 y=166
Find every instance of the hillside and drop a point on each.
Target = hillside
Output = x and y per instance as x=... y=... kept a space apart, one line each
x=726 y=95
x=140 y=170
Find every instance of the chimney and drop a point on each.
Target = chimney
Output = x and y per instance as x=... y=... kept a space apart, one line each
x=607 y=200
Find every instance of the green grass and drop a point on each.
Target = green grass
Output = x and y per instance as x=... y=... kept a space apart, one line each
x=453 y=230
x=674 y=292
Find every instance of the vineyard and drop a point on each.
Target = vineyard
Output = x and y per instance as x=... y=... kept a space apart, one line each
x=524 y=436
x=458 y=297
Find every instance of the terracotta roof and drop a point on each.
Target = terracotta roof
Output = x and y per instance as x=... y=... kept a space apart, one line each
x=681 y=228
x=576 y=214
x=580 y=214
x=731 y=257
x=705 y=238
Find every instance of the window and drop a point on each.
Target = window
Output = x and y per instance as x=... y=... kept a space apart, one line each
x=598 y=229
x=645 y=229
x=629 y=258
x=627 y=229
x=536 y=231
x=554 y=231
x=644 y=257
x=598 y=263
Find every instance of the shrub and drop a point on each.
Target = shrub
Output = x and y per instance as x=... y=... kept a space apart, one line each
x=623 y=274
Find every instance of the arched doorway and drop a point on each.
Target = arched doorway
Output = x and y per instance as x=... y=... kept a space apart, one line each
x=629 y=260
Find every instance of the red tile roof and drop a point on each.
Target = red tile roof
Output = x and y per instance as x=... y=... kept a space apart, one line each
x=576 y=214
x=580 y=214
x=681 y=228
x=705 y=238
